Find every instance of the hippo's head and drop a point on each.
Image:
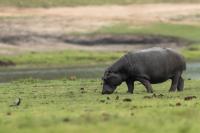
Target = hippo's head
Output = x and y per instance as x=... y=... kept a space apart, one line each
x=110 y=82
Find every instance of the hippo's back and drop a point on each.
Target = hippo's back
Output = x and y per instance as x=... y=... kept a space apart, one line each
x=156 y=64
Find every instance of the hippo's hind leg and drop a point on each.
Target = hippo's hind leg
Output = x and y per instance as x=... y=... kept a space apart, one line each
x=175 y=80
x=130 y=85
x=180 y=84
x=147 y=85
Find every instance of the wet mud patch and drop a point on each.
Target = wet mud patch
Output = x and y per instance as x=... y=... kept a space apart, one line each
x=92 y=40
x=6 y=63
x=124 y=39
x=30 y=38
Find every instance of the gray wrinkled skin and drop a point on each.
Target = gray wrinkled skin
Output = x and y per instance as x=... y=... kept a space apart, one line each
x=150 y=66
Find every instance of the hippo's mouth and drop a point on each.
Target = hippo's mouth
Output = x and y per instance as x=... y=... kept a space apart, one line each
x=107 y=89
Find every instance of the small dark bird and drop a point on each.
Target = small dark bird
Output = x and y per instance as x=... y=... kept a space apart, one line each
x=17 y=102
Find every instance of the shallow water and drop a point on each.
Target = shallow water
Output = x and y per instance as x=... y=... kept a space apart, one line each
x=51 y=73
x=193 y=72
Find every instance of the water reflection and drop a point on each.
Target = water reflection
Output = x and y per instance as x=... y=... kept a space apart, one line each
x=193 y=72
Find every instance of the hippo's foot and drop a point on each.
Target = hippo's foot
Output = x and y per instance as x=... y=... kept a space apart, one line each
x=130 y=92
x=149 y=91
x=180 y=90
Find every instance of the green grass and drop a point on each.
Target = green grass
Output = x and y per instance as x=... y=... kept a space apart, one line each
x=62 y=58
x=61 y=106
x=53 y=3
x=189 y=32
x=192 y=53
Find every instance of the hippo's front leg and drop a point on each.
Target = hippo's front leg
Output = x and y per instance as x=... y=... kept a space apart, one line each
x=130 y=85
x=147 y=85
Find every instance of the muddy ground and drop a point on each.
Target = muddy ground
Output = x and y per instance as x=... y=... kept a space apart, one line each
x=46 y=29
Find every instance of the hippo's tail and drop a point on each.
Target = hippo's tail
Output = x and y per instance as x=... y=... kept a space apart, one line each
x=184 y=66
x=183 y=62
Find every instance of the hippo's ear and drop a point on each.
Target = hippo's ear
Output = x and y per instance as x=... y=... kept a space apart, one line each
x=114 y=79
x=108 y=72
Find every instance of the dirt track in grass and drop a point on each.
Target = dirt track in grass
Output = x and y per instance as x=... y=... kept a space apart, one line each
x=40 y=29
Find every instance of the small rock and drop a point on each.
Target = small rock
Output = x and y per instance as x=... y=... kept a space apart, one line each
x=154 y=95
x=71 y=92
x=189 y=98
x=178 y=104
x=105 y=116
x=160 y=95
x=132 y=114
x=147 y=97
x=127 y=100
x=102 y=101
x=66 y=120
x=8 y=113
x=117 y=98
x=133 y=107
x=83 y=91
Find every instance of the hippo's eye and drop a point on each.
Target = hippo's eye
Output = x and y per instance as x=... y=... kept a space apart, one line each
x=109 y=72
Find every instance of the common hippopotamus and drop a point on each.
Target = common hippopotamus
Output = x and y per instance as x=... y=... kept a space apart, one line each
x=148 y=66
